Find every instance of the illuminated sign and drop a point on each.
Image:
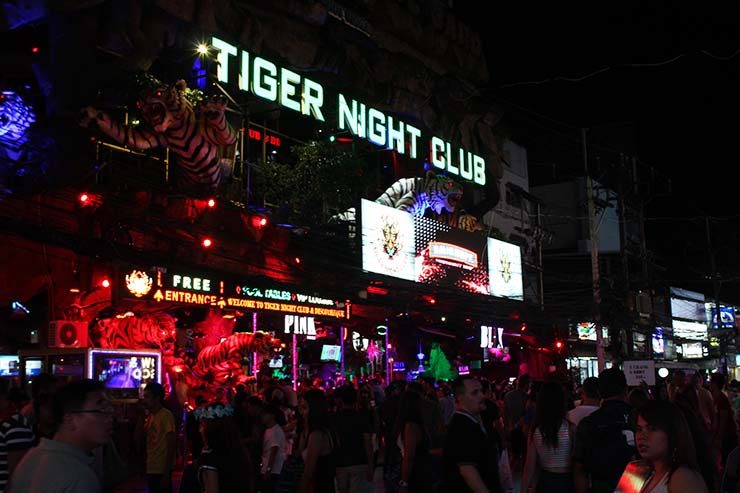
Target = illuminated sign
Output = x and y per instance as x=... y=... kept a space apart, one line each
x=269 y=81
x=138 y=283
x=587 y=331
x=505 y=269
x=194 y=283
x=124 y=368
x=199 y=290
x=396 y=243
x=463 y=370
x=488 y=339
x=255 y=134
x=300 y=326
x=447 y=253
x=689 y=330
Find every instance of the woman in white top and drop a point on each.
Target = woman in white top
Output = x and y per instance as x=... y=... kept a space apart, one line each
x=550 y=445
x=665 y=444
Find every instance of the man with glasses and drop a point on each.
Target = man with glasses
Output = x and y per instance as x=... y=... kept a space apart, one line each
x=64 y=463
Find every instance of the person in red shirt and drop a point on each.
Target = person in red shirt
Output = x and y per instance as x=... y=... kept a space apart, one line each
x=725 y=430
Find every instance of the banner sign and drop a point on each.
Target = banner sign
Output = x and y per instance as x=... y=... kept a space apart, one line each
x=160 y=285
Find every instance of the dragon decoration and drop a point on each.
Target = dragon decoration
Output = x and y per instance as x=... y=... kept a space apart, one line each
x=215 y=366
x=194 y=128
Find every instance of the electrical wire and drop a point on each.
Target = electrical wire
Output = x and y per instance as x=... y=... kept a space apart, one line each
x=621 y=65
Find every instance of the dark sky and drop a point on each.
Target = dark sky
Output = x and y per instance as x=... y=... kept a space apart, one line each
x=678 y=116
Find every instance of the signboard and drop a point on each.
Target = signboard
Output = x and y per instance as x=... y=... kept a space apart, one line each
x=658 y=343
x=587 y=332
x=269 y=81
x=505 y=269
x=463 y=370
x=159 y=284
x=639 y=371
x=727 y=314
x=398 y=244
x=300 y=326
x=124 y=368
x=694 y=331
x=489 y=338
x=693 y=350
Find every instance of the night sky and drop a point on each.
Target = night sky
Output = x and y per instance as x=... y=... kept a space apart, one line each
x=677 y=113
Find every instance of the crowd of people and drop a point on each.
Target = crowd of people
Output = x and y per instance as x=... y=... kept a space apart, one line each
x=470 y=434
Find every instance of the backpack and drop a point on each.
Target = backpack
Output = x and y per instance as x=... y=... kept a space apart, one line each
x=612 y=441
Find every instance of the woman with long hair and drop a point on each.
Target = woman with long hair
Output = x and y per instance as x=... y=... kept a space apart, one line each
x=317 y=442
x=413 y=442
x=223 y=465
x=665 y=444
x=550 y=445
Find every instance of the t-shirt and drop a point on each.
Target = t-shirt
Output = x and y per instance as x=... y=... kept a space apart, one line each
x=467 y=444
x=274 y=437
x=351 y=426
x=516 y=401
x=158 y=425
x=605 y=443
x=15 y=436
x=55 y=467
x=576 y=414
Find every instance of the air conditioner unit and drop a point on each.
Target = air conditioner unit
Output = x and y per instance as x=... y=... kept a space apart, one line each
x=66 y=334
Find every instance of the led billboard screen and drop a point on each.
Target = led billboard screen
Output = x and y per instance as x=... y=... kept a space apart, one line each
x=398 y=244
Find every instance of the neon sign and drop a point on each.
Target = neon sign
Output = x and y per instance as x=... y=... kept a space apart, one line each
x=201 y=290
x=267 y=80
x=138 y=283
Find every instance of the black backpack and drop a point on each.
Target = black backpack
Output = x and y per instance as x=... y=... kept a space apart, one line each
x=612 y=445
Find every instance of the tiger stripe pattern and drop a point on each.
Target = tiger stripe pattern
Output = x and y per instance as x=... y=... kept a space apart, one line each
x=194 y=137
x=416 y=195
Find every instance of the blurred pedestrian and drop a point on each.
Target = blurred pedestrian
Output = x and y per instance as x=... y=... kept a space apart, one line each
x=550 y=445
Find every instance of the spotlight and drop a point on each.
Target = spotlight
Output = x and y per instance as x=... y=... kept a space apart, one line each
x=207 y=243
x=211 y=203
x=84 y=198
x=105 y=283
x=297 y=260
x=202 y=49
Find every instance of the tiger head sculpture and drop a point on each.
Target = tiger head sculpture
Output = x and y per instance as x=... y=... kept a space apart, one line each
x=162 y=105
x=443 y=193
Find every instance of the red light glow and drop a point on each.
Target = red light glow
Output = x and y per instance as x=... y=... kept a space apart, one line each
x=559 y=345
x=35 y=49
x=105 y=283
x=211 y=203
x=207 y=243
x=84 y=198
x=259 y=221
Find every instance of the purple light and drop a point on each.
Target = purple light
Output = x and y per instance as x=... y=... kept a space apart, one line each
x=15 y=119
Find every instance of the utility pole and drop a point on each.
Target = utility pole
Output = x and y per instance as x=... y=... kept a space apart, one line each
x=594 y=245
x=716 y=286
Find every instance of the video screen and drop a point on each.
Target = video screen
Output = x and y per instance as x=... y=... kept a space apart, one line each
x=331 y=353
x=34 y=367
x=9 y=366
x=276 y=362
x=129 y=370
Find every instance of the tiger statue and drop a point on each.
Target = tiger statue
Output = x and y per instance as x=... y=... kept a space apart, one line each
x=155 y=331
x=194 y=136
x=416 y=195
